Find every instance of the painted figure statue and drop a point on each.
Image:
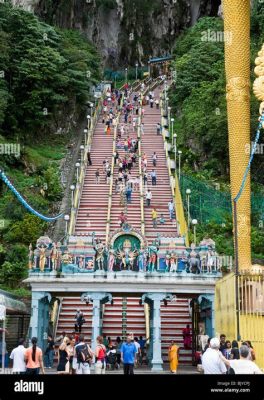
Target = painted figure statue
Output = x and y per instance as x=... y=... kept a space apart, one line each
x=55 y=255
x=99 y=254
x=152 y=257
x=111 y=260
x=42 y=257
x=173 y=262
x=141 y=260
x=194 y=261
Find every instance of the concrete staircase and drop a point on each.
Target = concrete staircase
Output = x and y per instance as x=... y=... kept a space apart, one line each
x=92 y=212
x=67 y=317
x=161 y=194
x=123 y=317
x=174 y=318
x=132 y=210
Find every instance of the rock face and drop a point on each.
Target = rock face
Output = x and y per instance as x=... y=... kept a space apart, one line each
x=125 y=31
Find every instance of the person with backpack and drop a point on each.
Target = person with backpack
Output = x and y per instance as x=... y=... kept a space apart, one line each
x=79 y=321
x=100 y=356
x=84 y=356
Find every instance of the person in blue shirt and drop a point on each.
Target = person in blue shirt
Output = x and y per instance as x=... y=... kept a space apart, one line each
x=128 y=355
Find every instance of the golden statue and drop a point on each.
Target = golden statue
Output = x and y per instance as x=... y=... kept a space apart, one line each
x=42 y=258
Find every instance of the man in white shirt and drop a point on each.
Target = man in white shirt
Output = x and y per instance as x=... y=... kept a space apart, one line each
x=148 y=197
x=243 y=365
x=211 y=360
x=18 y=357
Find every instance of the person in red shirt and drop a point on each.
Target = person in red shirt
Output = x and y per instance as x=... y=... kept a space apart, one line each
x=122 y=219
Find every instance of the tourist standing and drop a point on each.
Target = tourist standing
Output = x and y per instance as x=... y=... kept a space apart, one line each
x=171 y=209
x=173 y=356
x=33 y=359
x=235 y=351
x=118 y=351
x=153 y=177
x=100 y=356
x=187 y=339
x=49 y=352
x=222 y=343
x=243 y=365
x=211 y=361
x=154 y=159
x=63 y=357
x=84 y=356
x=154 y=216
x=18 y=357
x=148 y=197
x=128 y=355
x=97 y=176
x=79 y=321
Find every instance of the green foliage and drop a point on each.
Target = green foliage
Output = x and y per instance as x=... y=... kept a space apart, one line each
x=45 y=73
x=25 y=231
x=11 y=273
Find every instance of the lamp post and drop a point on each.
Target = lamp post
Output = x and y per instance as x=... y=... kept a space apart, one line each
x=91 y=105
x=136 y=71
x=72 y=187
x=82 y=151
x=172 y=121
x=66 y=219
x=194 y=223
x=188 y=193
x=88 y=121
x=175 y=150
x=126 y=74
x=77 y=165
x=169 y=111
x=180 y=153
x=85 y=136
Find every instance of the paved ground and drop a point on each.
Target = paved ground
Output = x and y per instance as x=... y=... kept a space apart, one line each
x=182 y=370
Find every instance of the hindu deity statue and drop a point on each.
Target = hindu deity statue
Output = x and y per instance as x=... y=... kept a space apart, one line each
x=99 y=254
x=152 y=257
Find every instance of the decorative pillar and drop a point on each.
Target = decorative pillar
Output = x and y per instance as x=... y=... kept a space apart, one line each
x=39 y=321
x=237 y=66
x=155 y=299
x=97 y=298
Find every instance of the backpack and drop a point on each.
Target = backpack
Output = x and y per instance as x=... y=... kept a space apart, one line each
x=82 y=353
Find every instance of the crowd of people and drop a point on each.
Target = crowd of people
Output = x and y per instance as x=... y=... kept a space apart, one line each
x=75 y=355
x=226 y=357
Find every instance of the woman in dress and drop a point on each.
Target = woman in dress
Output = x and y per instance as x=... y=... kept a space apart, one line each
x=71 y=354
x=63 y=358
x=173 y=356
x=187 y=337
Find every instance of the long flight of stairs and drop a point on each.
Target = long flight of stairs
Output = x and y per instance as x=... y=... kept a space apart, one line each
x=132 y=210
x=92 y=212
x=126 y=315
x=161 y=193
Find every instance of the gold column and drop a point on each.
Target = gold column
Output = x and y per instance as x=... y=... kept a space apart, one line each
x=237 y=66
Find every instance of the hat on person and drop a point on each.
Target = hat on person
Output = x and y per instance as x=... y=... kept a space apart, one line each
x=215 y=343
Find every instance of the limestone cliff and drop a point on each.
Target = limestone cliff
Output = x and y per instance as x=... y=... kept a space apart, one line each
x=125 y=31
